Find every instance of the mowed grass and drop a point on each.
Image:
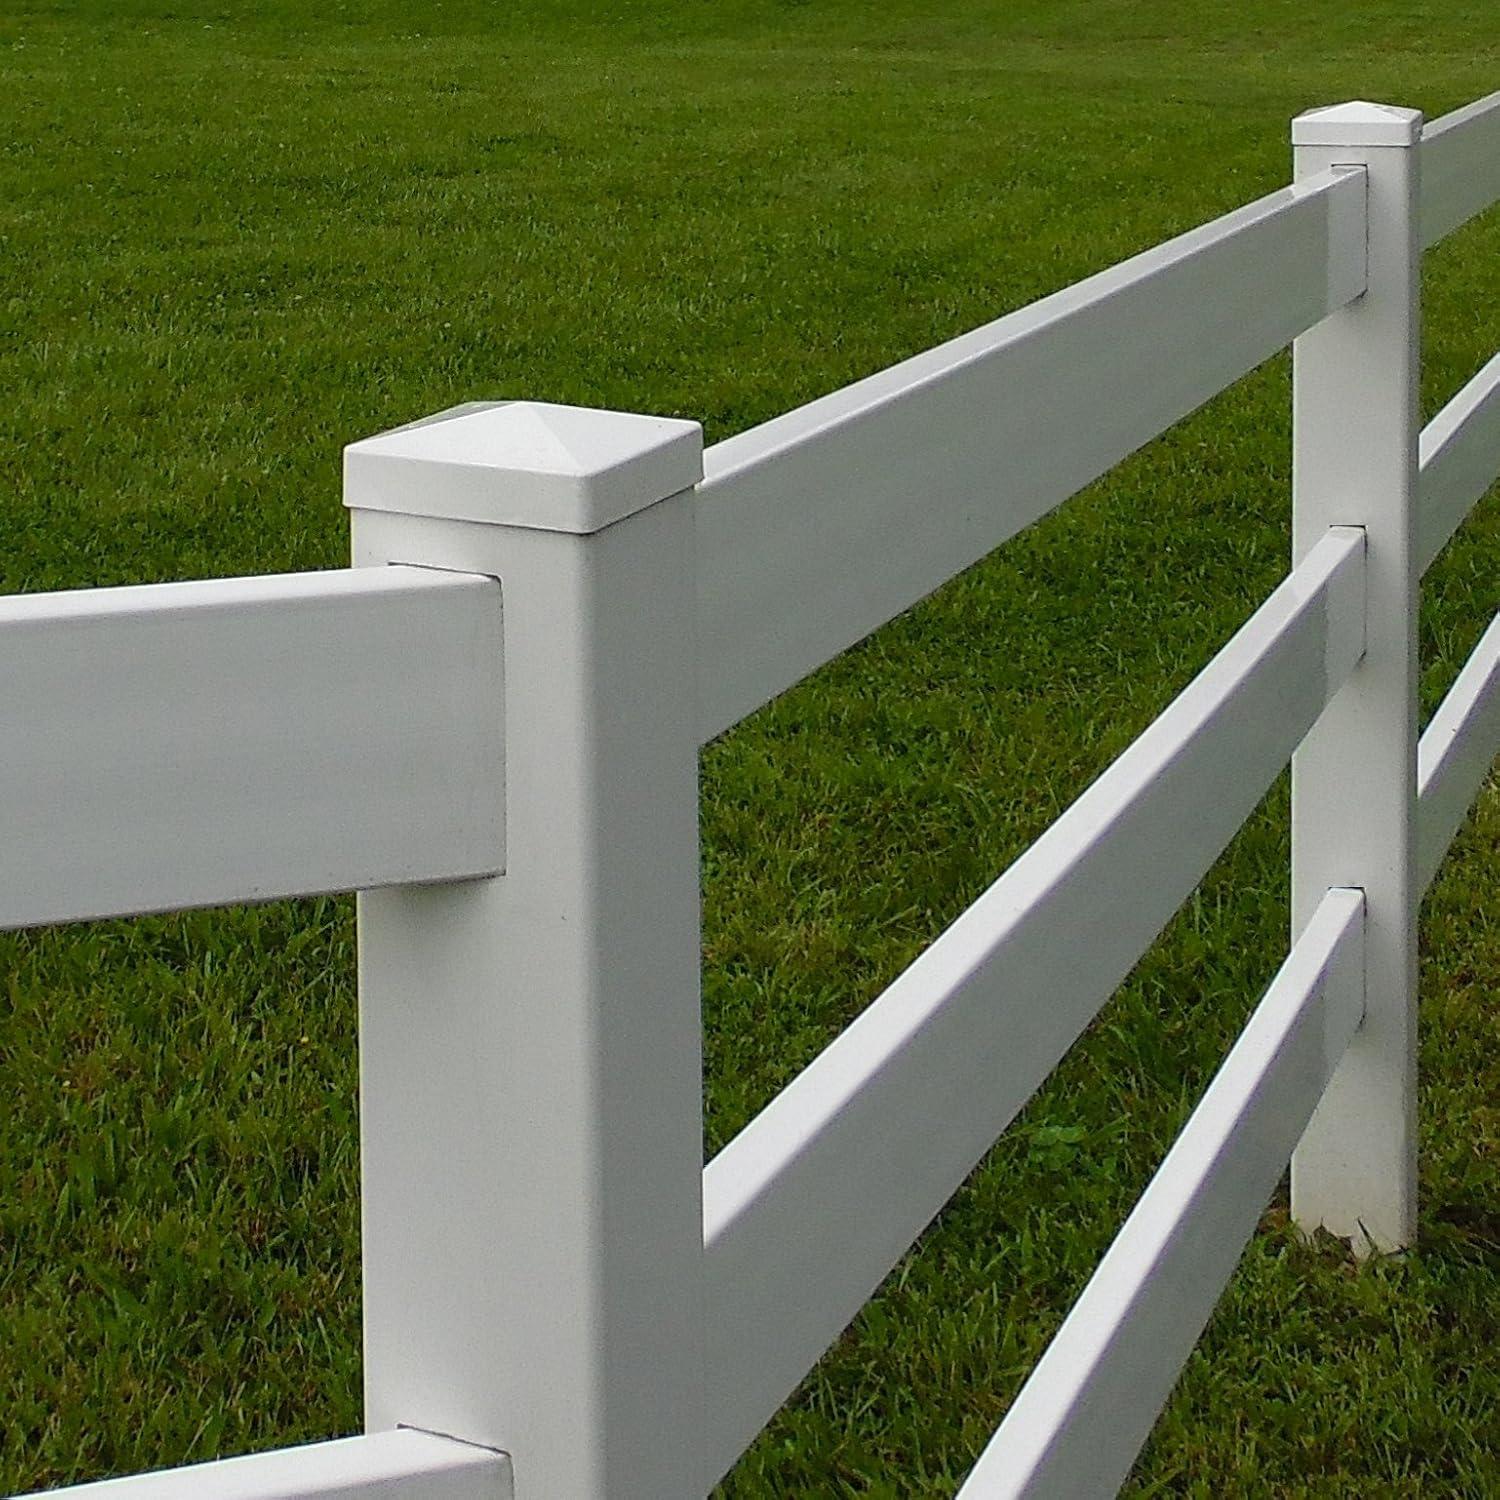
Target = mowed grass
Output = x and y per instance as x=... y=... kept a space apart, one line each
x=235 y=237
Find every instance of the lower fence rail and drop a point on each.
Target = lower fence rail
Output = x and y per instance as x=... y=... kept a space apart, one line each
x=1089 y=1405
x=399 y=1465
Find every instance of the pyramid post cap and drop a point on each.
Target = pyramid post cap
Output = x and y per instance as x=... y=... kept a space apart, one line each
x=530 y=464
x=1358 y=123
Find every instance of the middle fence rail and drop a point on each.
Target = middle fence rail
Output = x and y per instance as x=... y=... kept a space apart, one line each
x=490 y=726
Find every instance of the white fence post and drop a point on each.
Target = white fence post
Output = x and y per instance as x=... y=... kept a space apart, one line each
x=530 y=1044
x=1354 y=779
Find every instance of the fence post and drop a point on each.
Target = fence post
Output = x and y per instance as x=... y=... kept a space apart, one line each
x=530 y=1046
x=1355 y=432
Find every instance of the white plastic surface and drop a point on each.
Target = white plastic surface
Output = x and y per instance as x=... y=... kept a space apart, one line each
x=1460 y=167
x=1080 y=1420
x=1456 y=751
x=816 y=1199
x=526 y=463
x=1460 y=460
x=401 y=1465
x=531 y=1075
x=1358 y=123
x=188 y=744
x=819 y=526
x=1355 y=427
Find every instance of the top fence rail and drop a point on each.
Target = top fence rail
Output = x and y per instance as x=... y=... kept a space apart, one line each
x=820 y=525
x=1460 y=167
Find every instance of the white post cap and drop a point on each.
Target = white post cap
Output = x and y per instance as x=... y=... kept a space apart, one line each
x=1358 y=123
x=525 y=463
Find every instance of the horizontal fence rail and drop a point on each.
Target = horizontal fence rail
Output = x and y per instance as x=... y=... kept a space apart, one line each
x=820 y=525
x=402 y=1465
x=191 y=744
x=1459 y=458
x=815 y=1200
x=1089 y=1405
x=1460 y=167
x=1456 y=751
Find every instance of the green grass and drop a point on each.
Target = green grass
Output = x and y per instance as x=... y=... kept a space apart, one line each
x=235 y=237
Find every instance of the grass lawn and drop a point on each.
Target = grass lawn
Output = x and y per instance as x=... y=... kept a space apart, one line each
x=235 y=237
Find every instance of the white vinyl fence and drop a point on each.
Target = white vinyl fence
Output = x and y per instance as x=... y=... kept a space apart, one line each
x=490 y=728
